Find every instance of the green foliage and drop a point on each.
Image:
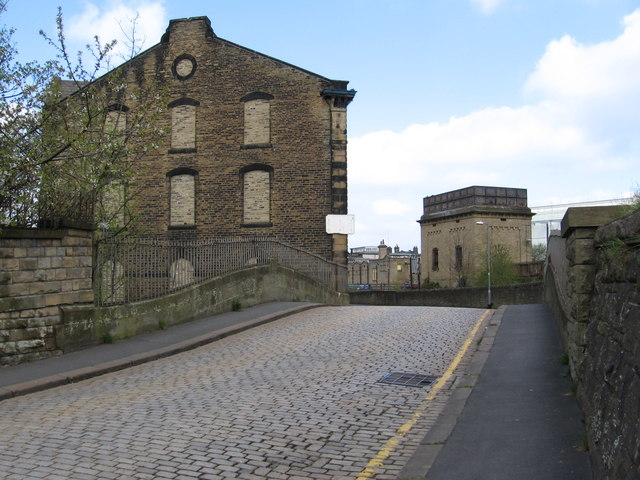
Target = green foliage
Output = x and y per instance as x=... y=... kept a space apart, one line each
x=69 y=148
x=539 y=252
x=236 y=306
x=616 y=251
x=503 y=269
x=431 y=285
x=632 y=206
x=108 y=338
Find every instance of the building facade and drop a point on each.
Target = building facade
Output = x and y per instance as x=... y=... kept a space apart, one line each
x=457 y=229
x=382 y=267
x=254 y=146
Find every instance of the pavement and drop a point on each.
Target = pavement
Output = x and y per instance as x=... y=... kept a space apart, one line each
x=514 y=417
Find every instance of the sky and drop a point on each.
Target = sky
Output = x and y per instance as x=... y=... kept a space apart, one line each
x=535 y=94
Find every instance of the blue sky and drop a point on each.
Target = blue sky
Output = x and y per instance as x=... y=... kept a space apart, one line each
x=535 y=94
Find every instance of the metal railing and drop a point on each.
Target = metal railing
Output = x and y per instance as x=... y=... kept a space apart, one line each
x=141 y=268
x=559 y=267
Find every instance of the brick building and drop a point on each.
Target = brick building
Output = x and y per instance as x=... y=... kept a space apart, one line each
x=255 y=146
x=456 y=226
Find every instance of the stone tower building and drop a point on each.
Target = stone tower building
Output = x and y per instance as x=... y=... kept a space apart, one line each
x=457 y=226
x=254 y=146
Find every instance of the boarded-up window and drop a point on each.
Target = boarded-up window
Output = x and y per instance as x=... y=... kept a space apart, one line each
x=257 y=122
x=183 y=127
x=116 y=121
x=183 y=200
x=257 y=193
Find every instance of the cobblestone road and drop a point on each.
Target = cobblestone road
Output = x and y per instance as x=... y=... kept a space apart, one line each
x=296 y=398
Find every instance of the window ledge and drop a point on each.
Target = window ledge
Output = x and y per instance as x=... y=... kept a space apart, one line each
x=256 y=145
x=257 y=225
x=182 y=150
x=182 y=227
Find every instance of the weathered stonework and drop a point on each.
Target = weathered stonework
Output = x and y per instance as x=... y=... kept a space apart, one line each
x=610 y=375
x=41 y=271
x=594 y=294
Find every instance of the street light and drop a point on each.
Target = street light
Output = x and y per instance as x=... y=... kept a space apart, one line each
x=488 y=262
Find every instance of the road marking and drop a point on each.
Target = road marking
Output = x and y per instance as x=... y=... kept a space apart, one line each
x=387 y=449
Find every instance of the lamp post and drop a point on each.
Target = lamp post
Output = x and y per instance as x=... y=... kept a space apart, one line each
x=488 y=262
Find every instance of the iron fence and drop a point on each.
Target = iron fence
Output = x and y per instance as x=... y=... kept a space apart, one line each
x=141 y=268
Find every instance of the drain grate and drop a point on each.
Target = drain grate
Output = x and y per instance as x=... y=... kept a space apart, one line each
x=408 y=379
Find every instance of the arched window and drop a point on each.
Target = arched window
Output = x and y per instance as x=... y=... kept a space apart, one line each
x=257 y=119
x=182 y=197
x=183 y=125
x=256 y=188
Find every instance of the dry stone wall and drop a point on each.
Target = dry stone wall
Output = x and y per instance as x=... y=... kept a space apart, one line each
x=40 y=271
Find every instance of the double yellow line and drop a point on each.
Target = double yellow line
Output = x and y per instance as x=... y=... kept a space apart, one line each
x=385 y=451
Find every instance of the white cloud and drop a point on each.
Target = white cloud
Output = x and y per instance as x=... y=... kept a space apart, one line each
x=574 y=140
x=390 y=207
x=114 y=20
x=570 y=70
x=487 y=6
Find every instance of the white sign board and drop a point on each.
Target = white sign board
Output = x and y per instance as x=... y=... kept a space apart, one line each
x=345 y=224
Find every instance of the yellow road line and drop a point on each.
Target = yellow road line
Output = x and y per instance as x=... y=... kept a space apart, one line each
x=385 y=451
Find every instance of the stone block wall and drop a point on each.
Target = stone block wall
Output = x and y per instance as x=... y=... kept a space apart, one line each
x=609 y=389
x=591 y=285
x=472 y=297
x=40 y=271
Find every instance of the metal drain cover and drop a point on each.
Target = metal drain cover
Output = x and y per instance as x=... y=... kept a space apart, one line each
x=408 y=379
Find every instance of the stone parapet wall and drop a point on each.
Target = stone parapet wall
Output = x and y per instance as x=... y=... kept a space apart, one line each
x=83 y=326
x=609 y=385
x=40 y=270
x=472 y=297
x=591 y=285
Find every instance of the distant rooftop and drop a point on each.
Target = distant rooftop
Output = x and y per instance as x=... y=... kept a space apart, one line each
x=476 y=196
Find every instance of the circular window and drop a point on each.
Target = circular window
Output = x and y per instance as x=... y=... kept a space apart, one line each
x=184 y=66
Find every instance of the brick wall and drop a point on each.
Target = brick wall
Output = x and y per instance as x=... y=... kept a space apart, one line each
x=213 y=88
x=40 y=271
